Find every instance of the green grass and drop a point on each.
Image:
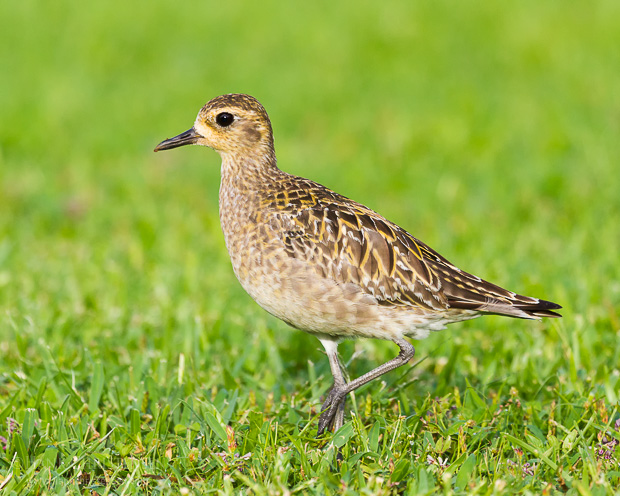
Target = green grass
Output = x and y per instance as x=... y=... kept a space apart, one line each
x=131 y=362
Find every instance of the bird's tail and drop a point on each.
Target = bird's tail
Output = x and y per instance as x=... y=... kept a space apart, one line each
x=532 y=308
x=472 y=293
x=468 y=292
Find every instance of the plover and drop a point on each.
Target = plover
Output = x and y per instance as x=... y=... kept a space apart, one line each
x=326 y=264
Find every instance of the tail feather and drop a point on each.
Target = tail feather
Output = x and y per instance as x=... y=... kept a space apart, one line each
x=543 y=308
x=514 y=308
x=469 y=292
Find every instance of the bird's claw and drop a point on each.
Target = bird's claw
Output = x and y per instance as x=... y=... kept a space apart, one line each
x=330 y=409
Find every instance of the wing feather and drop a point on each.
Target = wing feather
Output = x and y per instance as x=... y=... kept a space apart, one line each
x=349 y=243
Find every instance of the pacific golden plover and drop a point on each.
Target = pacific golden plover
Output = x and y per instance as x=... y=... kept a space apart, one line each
x=328 y=265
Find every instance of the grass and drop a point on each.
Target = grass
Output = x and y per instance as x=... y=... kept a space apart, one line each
x=131 y=362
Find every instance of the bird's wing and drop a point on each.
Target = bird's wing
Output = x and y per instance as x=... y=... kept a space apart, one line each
x=349 y=243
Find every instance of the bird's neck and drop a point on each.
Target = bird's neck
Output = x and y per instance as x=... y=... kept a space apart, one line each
x=244 y=183
x=249 y=173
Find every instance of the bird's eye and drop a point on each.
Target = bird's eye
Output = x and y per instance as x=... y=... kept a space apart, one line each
x=224 y=119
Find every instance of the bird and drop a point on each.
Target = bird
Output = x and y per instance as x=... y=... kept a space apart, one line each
x=326 y=264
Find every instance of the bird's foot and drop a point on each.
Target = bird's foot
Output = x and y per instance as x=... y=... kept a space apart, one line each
x=332 y=411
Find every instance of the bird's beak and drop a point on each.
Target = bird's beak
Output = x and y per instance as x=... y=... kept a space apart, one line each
x=189 y=137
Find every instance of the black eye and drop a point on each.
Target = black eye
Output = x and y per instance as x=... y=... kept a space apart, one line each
x=224 y=119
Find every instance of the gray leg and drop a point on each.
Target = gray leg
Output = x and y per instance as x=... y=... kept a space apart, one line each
x=333 y=412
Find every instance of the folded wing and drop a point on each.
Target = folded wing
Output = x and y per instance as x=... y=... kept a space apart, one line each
x=349 y=243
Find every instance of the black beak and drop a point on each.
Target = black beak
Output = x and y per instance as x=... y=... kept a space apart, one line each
x=189 y=137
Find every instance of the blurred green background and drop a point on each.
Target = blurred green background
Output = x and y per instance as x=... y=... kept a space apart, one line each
x=489 y=130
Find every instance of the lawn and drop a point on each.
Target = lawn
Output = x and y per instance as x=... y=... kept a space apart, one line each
x=131 y=361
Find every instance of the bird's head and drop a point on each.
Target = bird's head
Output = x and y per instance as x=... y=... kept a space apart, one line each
x=232 y=124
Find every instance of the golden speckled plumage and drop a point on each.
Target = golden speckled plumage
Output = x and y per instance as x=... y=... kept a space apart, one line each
x=326 y=264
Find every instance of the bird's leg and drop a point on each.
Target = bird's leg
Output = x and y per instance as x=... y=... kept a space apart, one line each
x=330 y=415
x=407 y=351
x=332 y=411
